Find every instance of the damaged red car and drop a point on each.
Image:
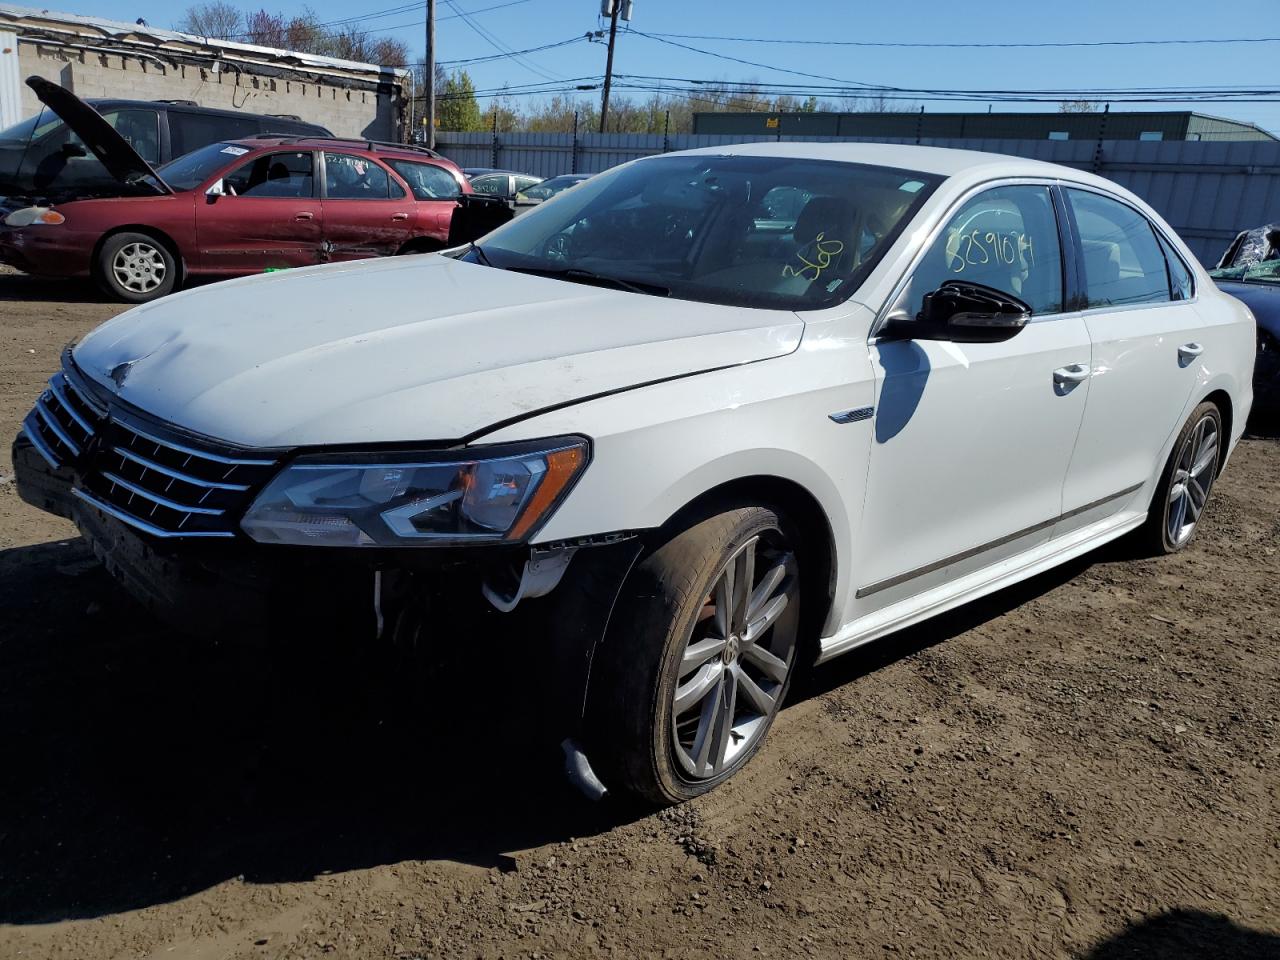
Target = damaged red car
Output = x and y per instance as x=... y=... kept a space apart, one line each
x=234 y=208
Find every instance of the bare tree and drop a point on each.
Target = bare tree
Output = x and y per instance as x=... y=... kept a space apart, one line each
x=214 y=18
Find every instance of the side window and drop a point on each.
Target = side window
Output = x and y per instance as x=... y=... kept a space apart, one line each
x=1006 y=238
x=494 y=185
x=1180 y=282
x=524 y=183
x=347 y=177
x=1123 y=263
x=140 y=129
x=427 y=181
x=190 y=131
x=277 y=175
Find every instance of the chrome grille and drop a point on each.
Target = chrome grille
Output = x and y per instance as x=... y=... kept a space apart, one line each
x=146 y=476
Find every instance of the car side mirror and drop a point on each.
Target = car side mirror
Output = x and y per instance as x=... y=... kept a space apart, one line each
x=962 y=312
x=216 y=190
x=70 y=150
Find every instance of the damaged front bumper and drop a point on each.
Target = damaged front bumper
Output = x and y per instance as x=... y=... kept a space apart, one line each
x=198 y=572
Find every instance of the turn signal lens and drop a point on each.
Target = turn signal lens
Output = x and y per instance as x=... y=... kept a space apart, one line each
x=28 y=216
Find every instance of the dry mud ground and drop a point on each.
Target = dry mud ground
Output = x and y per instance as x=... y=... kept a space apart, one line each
x=1085 y=765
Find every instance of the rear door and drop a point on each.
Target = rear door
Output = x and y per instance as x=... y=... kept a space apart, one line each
x=435 y=192
x=1146 y=336
x=270 y=216
x=367 y=213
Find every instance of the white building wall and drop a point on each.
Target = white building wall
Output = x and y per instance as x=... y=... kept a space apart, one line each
x=11 y=86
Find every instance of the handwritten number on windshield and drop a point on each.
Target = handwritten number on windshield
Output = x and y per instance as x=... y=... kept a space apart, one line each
x=979 y=249
x=824 y=252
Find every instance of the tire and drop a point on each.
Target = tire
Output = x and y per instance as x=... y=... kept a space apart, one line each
x=136 y=268
x=730 y=687
x=1177 y=507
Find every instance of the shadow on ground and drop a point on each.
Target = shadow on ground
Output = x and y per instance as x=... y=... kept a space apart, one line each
x=140 y=765
x=1188 y=935
x=24 y=287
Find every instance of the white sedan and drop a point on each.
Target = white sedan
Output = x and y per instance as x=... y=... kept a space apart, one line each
x=712 y=414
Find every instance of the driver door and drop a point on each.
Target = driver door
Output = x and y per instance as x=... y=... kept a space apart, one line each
x=972 y=440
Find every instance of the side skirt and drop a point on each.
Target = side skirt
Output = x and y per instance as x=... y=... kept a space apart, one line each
x=975 y=585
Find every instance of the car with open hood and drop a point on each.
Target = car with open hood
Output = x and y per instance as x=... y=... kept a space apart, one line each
x=42 y=157
x=234 y=207
x=700 y=420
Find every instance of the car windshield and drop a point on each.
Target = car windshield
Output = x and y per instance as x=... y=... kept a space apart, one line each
x=779 y=232
x=190 y=170
x=1268 y=271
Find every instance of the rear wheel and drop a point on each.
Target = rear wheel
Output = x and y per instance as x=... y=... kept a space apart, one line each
x=699 y=659
x=1180 y=500
x=136 y=267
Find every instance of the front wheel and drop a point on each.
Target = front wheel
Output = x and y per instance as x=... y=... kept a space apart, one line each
x=1188 y=476
x=699 y=658
x=136 y=268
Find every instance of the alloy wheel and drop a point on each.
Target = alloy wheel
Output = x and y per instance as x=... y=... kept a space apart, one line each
x=735 y=663
x=1192 y=479
x=139 y=267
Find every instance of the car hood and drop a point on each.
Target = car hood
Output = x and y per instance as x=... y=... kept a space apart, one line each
x=422 y=348
x=1261 y=298
x=121 y=161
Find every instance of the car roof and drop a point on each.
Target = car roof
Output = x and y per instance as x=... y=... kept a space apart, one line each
x=398 y=151
x=940 y=161
x=177 y=105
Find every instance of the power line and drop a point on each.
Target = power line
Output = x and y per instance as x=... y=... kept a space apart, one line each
x=503 y=56
x=498 y=45
x=969 y=46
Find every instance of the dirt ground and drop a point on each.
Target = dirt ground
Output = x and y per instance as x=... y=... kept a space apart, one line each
x=1086 y=765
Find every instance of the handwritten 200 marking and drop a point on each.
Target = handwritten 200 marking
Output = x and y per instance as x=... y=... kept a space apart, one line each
x=825 y=252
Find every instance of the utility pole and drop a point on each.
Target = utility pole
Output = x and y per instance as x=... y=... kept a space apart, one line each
x=429 y=80
x=616 y=8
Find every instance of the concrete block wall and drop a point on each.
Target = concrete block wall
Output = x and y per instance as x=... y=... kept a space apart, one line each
x=348 y=113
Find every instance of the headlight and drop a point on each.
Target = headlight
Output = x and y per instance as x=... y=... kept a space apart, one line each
x=31 y=215
x=499 y=494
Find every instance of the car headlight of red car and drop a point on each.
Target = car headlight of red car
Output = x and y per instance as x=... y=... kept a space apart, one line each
x=499 y=494
x=30 y=216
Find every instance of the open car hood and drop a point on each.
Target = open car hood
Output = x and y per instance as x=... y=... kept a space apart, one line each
x=112 y=150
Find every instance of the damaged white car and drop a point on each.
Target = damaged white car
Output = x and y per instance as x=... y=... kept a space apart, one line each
x=726 y=412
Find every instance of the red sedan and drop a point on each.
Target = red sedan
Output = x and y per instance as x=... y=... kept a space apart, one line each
x=230 y=209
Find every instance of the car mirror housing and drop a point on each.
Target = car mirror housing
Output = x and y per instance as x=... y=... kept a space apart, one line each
x=961 y=312
x=216 y=189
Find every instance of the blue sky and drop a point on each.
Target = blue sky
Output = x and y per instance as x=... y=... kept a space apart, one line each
x=529 y=23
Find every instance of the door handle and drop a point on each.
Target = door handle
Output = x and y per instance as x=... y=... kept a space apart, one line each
x=305 y=215
x=1071 y=374
x=399 y=216
x=1188 y=352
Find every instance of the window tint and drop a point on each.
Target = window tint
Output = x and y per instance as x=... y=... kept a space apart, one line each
x=273 y=175
x=188 y=131
x=347 y=177
x=140 y=129
x=495 y=185
x=1123 y=263
x=1006 y=238
x=427 y=181
x=524 y=183
x=1179 y=276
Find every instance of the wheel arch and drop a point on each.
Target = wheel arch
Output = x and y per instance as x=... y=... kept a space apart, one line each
x=821 y=559
x=1221 y=399
x=156 y=233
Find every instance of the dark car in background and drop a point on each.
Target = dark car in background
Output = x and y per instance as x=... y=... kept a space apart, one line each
x=1250 y=271
x=499 y=183
x=42 y=155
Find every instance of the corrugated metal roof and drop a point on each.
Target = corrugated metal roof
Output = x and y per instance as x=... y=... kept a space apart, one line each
x=119 y=30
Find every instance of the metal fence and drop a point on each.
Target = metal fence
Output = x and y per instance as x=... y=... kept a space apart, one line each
x=1207 y=191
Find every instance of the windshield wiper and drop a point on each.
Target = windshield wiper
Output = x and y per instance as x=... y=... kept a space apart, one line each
x=578 y=275
x=481 y=255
